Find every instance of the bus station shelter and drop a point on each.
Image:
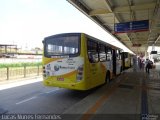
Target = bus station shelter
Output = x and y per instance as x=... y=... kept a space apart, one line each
x=135 y=23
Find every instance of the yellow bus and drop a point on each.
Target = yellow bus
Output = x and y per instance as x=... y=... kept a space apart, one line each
x=127 y=60
x=78 y=61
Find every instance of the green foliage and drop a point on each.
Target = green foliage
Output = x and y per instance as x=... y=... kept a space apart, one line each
x=20 y=64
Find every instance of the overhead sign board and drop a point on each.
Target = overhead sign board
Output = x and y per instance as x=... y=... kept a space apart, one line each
x=133 y=26
x=153 y=52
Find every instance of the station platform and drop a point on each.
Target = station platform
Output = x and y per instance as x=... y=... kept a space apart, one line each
x=133 y=95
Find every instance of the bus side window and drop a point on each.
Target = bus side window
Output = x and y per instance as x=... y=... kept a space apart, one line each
x=92 y=48
x=102 y=53
x=120 y=54
x=117 y=55
x=126 y=55
x=90 y=57
x=109 y=54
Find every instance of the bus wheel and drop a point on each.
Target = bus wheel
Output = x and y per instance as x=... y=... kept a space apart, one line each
x=108 y=77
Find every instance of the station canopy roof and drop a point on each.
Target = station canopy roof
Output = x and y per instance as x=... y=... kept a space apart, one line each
x=109 y=13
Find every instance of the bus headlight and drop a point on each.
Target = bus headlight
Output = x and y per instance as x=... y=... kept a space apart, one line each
x=80 y=73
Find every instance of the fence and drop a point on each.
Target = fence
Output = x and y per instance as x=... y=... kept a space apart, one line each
x=19 y=72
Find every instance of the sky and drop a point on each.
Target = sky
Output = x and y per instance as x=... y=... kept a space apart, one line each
x=27 y=22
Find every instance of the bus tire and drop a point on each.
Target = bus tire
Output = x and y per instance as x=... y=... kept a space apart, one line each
x=108 y=78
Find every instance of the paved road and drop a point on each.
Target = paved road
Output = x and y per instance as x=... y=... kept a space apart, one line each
x=37 y=99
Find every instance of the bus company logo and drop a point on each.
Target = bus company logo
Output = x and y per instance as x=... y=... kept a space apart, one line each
x=70 y=61
x=56 y=67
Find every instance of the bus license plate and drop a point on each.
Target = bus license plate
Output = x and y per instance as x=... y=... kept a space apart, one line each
x=60 y=79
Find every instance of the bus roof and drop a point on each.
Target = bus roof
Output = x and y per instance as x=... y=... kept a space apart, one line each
x=112 y=46
x=78 y=33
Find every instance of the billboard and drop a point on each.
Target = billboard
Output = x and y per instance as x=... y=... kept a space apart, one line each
x=153 y=52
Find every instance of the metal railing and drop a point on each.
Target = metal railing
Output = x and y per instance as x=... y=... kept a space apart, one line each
x=20 y=72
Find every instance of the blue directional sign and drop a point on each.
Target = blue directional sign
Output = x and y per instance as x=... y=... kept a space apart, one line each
x=133 y=26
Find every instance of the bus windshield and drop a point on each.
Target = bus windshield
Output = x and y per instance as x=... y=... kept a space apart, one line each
x=62 y=45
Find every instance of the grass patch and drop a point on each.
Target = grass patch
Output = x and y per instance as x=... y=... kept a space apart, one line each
x=20 y=64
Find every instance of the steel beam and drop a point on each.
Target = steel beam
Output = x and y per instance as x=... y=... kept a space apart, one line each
x=123 y=9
